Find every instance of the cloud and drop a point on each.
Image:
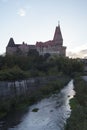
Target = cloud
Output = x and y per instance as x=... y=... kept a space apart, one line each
x=72 y=54
x=22 y=12
x=83 y=51
x=80 y=54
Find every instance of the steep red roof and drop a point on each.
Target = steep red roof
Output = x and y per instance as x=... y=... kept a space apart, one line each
x=45 y=44
x=58 y=34
x=57 y=39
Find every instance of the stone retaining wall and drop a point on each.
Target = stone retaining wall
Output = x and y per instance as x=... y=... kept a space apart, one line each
x=22 y=87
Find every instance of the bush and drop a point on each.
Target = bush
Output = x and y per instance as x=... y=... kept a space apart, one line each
x=14 y=73
x=35 y=110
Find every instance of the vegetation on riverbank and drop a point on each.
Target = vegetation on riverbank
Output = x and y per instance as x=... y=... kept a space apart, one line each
x=78 y=118
x=21 y=102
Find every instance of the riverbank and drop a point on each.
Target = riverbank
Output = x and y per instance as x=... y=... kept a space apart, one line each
x=78 y=118
x=29 y=98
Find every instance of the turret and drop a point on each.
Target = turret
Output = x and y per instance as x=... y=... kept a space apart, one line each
x=11 y=47
x=58 y=35
x=11 y=43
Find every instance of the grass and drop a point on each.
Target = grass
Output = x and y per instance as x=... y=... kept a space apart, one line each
x=73 y=103
x=78 y=118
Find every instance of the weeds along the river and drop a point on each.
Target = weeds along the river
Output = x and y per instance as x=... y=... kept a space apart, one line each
x=78 y=118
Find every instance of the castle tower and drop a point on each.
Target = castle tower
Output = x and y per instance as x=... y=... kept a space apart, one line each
x=58 y=39
x=11 y=43
x=11 y=47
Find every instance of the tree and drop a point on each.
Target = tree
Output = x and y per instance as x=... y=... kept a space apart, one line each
x=33 y=52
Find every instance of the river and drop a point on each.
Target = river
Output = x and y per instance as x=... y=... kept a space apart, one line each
x=51 y=114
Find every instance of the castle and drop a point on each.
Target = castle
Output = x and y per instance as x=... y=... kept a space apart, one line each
x=53 y=47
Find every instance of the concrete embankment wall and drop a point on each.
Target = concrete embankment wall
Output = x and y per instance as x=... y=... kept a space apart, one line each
x=23 y=87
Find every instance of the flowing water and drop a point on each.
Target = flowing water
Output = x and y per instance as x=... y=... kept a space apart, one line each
x=51 y=114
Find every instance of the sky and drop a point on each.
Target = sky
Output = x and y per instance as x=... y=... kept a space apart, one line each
x=36 y=20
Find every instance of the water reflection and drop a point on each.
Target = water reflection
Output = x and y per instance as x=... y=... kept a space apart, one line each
x=51 y=115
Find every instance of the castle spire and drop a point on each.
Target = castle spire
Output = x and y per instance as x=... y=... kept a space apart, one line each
x=58 y=35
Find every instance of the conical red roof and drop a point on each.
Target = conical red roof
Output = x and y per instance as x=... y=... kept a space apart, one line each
x=57 y=34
